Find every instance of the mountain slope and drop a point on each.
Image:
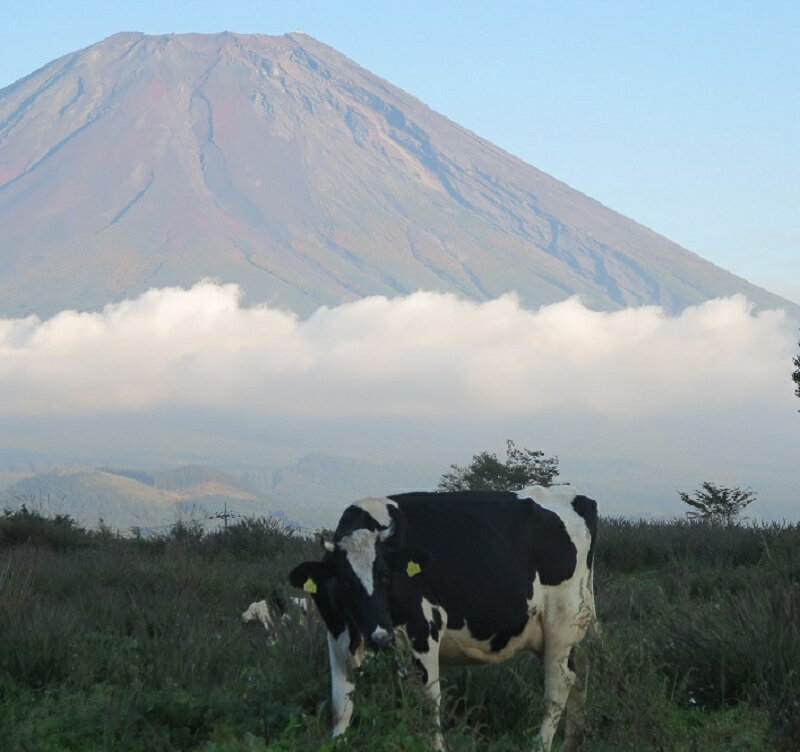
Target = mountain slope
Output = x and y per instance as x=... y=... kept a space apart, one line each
x=312 y=492
x=278 y=163
x=125 y=499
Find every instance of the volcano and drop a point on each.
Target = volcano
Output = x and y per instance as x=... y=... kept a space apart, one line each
x=280 y=164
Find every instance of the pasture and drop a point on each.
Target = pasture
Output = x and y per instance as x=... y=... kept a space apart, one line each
x=126 y=643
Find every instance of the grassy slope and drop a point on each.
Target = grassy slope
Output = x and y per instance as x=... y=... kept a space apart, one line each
x=130 y=644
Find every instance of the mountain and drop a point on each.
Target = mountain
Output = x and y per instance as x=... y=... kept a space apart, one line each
x=309 y=493
x=280 y=164
x=132 y=498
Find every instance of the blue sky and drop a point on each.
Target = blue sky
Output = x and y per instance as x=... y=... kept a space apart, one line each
x=681 y=115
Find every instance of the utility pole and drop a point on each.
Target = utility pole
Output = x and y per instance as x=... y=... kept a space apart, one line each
x=224 y=516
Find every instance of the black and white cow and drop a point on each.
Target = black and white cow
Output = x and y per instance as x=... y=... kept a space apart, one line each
x=465 y=577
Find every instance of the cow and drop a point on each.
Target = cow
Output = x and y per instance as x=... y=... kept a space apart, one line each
x=260 y=611
x=461 y=577
x=266 y=613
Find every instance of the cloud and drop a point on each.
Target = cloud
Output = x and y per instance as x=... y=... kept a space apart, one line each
x=423 y=354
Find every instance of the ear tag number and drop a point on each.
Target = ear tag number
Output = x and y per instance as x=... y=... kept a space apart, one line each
x=310 y=586
x=413 y=568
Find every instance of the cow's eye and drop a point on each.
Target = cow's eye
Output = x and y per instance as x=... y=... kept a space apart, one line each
x=385 y=578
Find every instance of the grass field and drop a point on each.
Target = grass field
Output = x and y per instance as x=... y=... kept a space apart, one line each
x=110 y=643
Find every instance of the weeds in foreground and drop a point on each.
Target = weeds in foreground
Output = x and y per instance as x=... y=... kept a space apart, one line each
x=111 y=643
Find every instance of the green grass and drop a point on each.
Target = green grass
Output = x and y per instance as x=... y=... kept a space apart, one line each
x=136 y=644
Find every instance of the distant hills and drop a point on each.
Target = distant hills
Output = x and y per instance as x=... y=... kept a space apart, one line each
x=309 y=494
x=280 y=164
x=125 y=499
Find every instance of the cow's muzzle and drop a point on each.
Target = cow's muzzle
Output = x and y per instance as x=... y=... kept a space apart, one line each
x=381 y=637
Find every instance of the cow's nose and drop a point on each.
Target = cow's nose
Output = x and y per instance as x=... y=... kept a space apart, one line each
x=382 y=637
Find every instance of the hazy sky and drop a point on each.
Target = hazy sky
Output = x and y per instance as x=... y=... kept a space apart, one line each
x=681 y=115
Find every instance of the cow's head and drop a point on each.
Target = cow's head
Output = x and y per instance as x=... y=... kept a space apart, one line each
x=355 y=580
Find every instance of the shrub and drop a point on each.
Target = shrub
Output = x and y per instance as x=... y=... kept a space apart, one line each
x=522 y=468
x=251 y=538
x=717 y=505
x=26 y=526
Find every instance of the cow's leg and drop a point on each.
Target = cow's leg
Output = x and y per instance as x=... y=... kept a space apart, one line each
x=429 y=666
x=422 y=637
x=341 y=686
x=575 y=723
x=575 y=711
x=559 y=678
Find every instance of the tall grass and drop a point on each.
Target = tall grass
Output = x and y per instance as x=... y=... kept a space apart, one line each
x=109 y=643
x=635 y=545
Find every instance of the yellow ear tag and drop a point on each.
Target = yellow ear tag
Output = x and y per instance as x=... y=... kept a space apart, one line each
x=413 y=568
x=310 y=586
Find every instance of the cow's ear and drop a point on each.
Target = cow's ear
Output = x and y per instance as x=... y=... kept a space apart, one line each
x=411 y=560
x=311 y=575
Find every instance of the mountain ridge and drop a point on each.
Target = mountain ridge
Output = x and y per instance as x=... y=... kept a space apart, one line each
x=309 y=492
x=122 y=500
x=278 y=163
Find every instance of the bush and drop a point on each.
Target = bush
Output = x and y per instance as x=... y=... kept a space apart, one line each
x=717 y=505
x=26 y=526
x=251 y=538
x=522 y=468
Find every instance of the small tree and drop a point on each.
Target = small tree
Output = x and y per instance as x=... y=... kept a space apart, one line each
x=522 y=468
x=796 y=374
x=717 y=504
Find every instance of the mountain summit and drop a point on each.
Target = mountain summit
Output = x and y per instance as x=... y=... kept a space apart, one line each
x=278 y=163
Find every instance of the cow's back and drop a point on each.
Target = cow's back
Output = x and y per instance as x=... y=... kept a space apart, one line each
x=490 y=550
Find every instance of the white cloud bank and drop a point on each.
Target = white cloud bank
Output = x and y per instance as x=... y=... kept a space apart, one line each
x=424 y=354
